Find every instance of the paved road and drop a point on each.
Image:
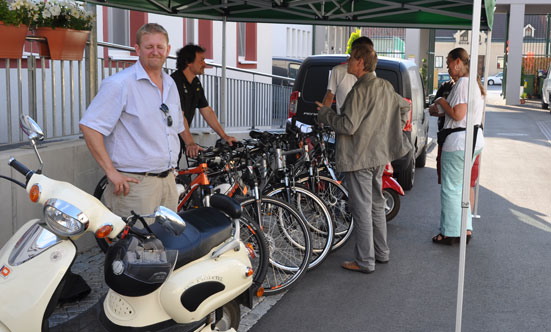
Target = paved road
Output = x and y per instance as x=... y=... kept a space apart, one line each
x=507 y=284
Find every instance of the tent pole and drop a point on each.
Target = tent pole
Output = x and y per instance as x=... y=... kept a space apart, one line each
x=465 y=206
x=486 y=72
x=223 y=85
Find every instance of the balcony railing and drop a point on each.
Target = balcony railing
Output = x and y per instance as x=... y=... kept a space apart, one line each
x=54 y=94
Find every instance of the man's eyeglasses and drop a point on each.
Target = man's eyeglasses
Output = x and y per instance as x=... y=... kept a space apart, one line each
x=165 y=110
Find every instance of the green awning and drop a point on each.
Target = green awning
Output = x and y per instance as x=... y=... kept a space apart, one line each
x=456 y=14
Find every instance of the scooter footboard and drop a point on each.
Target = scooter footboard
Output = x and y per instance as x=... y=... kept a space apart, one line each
x=199 y=288
x=33 y=263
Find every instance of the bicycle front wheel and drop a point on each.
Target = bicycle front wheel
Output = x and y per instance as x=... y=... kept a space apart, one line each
x=254 y=240
x=289 y=250
x=317 y=218
x=335 y=197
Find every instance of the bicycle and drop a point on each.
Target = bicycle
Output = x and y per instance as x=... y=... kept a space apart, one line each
x=278 y=182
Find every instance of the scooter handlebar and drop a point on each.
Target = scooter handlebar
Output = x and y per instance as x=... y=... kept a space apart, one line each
x=20 y=168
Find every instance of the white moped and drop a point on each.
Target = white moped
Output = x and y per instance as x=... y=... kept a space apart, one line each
x=186 y=272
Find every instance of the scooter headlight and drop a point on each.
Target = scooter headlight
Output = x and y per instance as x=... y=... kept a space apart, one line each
x=63 y=218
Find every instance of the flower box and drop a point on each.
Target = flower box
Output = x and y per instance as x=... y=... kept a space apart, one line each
x=62 y=43
x=12 y=39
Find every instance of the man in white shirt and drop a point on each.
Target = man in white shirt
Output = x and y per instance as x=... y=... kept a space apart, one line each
x=132 y=127
x=340 y=81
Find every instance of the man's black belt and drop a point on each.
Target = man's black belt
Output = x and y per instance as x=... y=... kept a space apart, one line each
x=159 y=175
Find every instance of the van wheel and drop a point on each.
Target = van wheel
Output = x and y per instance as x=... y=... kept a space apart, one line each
x=407 y=176
x=490 y=82
x=422 y=159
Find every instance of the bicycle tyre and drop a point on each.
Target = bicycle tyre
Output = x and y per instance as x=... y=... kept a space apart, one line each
x=254 y=240
x=335 y=197
x=287 y=261
x=317 y=217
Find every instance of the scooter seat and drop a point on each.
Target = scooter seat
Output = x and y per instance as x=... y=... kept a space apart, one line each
x=205 y=229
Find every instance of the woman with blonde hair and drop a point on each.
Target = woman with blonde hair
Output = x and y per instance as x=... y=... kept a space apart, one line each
x=452 y=139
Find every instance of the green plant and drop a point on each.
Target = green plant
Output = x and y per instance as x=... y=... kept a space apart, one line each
x=424 y=71
x=18 y=12
x=63 y=14
x=522 y=74
x=353 y=36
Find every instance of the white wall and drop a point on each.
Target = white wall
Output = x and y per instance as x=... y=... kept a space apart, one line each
x=291 y=40
x=174 y=27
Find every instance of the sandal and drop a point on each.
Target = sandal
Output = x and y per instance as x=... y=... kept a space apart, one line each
x=441 y=239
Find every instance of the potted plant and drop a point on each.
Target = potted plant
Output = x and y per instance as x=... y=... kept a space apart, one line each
x=523 y=98
x=14 y=20
x=66 y=26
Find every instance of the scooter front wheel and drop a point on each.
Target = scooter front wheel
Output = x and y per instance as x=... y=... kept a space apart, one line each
x=392 y=203
x=231 y=317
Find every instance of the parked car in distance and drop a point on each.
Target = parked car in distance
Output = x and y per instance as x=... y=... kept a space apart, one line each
x=443 y=78
x=495 y=79
x=311 y=85
x=546 y=90
x=286 y=67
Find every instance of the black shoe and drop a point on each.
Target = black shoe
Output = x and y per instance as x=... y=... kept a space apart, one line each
x=382 y=262
x=448 y=240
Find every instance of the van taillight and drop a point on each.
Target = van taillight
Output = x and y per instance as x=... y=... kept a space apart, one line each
x=407 y=127
x=293 y=102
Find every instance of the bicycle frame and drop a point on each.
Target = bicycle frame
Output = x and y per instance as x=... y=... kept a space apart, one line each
x=200 y=181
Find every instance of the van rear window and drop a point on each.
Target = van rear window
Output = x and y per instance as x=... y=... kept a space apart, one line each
x=316 y=79
x=314 y=85
x=390 y=76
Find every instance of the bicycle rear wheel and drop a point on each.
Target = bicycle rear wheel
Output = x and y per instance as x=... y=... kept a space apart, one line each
x=317 y=218
x=289 y=251
x=335 y=197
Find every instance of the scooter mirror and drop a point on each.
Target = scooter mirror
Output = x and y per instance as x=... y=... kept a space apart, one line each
x=35 y=133
x=169 y=219
x=31 y=128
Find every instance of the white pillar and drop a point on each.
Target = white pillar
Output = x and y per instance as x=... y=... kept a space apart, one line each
x=514 y=59
x=417 y=45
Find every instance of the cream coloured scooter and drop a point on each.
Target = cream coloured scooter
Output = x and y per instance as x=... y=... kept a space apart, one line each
x=184 y=272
